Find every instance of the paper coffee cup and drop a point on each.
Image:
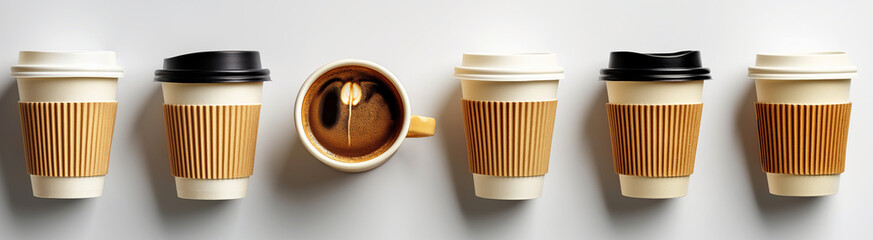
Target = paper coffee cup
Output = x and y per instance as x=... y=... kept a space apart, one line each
x=803 y=113
x=211 y=109
x=654 y=110
x=67 y=105
x=509 y=103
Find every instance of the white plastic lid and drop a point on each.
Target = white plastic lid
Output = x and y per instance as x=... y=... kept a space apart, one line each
x=800 y=66
x=62 y=64
x=509 y=67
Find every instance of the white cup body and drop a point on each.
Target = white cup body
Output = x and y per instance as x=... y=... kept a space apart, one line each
x=654 y=93
x=211 y=189
x=248 y=93
x=78 y=89
x=813 y=78
x=803 y=185
x=509 y=91
x=807 y=92
x=512 y=77
x=66 y=187
x=67 y=77
x=500 y=187
x=348 y=166
x=812 y=92
x=653 y=187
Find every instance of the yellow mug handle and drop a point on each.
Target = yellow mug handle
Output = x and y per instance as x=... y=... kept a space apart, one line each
x=421 y=127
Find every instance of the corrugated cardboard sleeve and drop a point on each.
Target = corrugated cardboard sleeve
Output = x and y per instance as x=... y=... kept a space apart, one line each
x=212 y=141
x=803 y=139
x=510 y=139
x=67 y=139
x=654 y=140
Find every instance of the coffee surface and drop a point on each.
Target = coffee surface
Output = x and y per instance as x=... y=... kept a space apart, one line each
x=352 y=113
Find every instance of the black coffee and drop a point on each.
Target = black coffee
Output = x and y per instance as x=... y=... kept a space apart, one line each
x=352 y=113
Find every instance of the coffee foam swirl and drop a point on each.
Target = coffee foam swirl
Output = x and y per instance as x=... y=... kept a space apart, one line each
x=352 y=113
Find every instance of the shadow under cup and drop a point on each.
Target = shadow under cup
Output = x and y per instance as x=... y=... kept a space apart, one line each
x=353 y=115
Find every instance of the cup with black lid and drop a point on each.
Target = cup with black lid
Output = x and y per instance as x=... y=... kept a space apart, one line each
x=212 y=104
x=654 y=112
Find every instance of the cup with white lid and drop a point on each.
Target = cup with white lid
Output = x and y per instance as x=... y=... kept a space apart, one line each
x=212 y=103
x=509 y=103
x=654 y=111
x=68 y=106
x=803 y=112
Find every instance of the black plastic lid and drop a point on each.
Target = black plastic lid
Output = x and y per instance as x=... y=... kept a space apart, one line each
x=633 y=66
x=214 y=67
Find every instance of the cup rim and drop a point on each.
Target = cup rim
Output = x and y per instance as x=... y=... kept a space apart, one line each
x=814 y=65
x=504 y=54
x=75 y=70
x=69 y=51
x=522 y=66
x=792 y=54
x=346 y=166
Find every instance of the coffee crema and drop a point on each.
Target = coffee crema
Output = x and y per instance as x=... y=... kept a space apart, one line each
x=352 y=113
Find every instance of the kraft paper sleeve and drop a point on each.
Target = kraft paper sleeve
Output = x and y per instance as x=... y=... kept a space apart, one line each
x=511 y=139
x=654 y=140
x=212 y=141
x=803 y=139
x=67 y=139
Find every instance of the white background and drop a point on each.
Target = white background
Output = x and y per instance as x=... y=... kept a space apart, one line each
x=425 y=191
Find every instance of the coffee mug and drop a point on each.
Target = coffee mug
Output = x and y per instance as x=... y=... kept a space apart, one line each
x=353 y=115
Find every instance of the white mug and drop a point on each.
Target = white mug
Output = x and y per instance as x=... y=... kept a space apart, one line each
x=413 y=126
